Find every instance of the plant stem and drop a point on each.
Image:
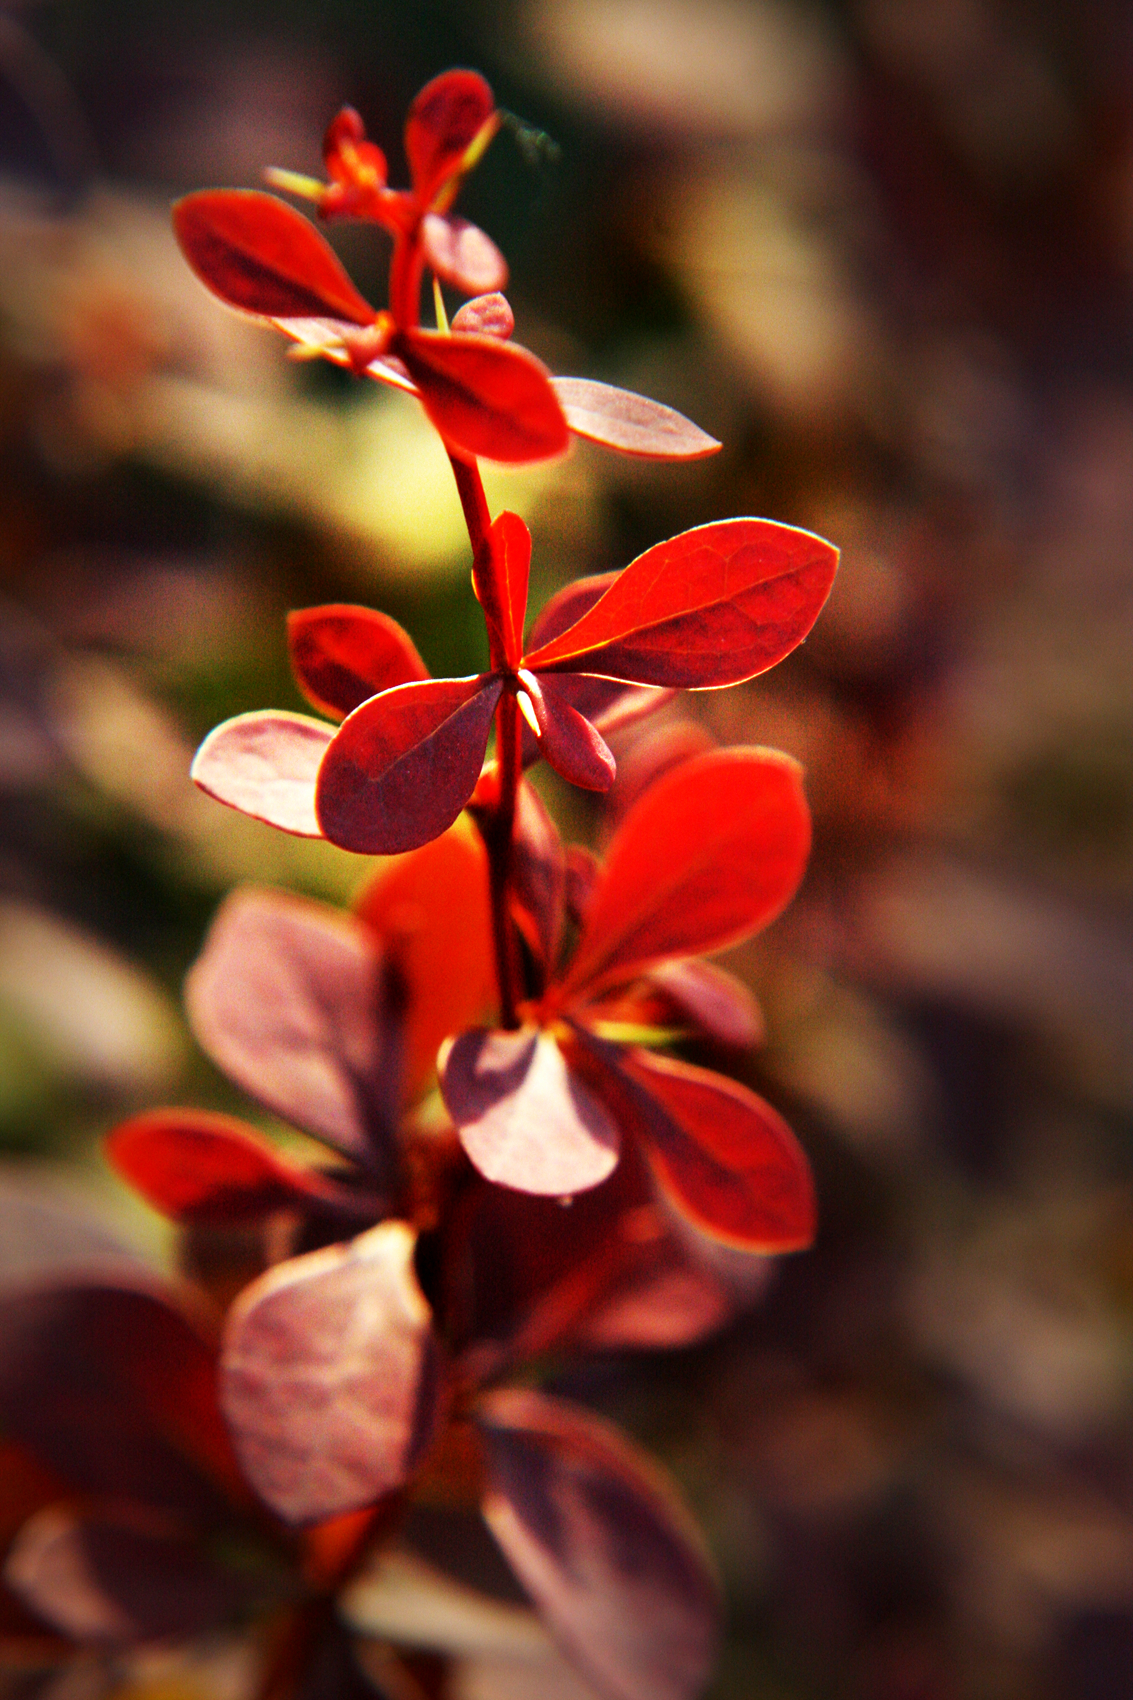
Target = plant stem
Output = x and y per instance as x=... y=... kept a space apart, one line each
x=470 y=489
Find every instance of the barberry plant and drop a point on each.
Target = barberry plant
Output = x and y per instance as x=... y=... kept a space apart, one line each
x=406 y=1293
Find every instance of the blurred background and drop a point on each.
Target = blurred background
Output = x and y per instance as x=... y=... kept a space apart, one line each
x=884 y=250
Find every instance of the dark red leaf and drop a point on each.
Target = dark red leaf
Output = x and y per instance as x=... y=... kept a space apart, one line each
x=341 y=655
x=487 y=315
x=711 y=607
x=570 y=743
x=485 y=397
x=260 y=255
x=721 y=1006
x=462 y=255
x=600 y=1541
x=633 y=424
x=401 y=767
x=652 y=751
x=524 y=1119
x=330 y=1376
x=287 y=998
x=447 y=117
x=539 y=876
x=711 y=853
x=500 y=576
x=606 y=703
x=265 y=764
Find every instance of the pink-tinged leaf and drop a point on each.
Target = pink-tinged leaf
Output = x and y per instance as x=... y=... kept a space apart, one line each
x=485 y=397
x=202 y=1167
x=598 y=1537
x=462 y=255
x=448 y=116
x=651 y=753
x=632 y=424
x=524 y=1118
x=711 y=853
x=43 y=1237
x=117 y=1575
x=500 y=575
x=711 y=607
x=260 y=255
x=342 y=655
x=724 y=1157
x=570 y=743
x=486 y=315
x=539 y=876
x=331 y=339
x=287 y=998
x=716 y=1002
x=401 y=767
x=265 y=764
x=330 y=1376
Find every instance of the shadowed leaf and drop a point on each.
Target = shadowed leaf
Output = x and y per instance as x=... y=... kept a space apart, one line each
x=265 y=764
x=485 y=397
x=633 y=424
x=715 y=1001
x=606 y=703
x=500 y=577
x=331 y=338
x=711 y=607
x=330 y=1376
x=462 y=255
x=486 y=315
x=401 y=767
x=600 y=1541
x=341 y=655
x=570 y=743
x=260 y=255
x=539 y=869
x=446 y=118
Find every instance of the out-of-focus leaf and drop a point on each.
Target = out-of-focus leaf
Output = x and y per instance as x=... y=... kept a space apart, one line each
x=462 y=255
x=400 y=1597
x=633 y=424
x=602 y=1544
x=485 y=397
x=606 y=703
x=485 y=315
x=652 y=752
x=447 y=117
x=500 y=576
x=720 y=1005
x=711 y=853
x=260 y=255
x=44 y=1238
x=341 y=655
x=524 y=1118
x=711 y=607
x=330 y=1376
x=265 y=764
x=539 y=870
x=574 y=747
x=401 y=767
x=286 y=997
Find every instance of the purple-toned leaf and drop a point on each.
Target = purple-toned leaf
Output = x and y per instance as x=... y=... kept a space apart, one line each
x=711 y=607
x=711 y=853
x=485 y=397
x=287 y=998
x=721 y=1006
x=116 y=1575
x=331 y=338
x=632 y=424
x=500 y=576
x=447 y=117
x=401 y=767
x=602 y=1544
x=462 y=255
x=570 y=743
x=583 y=873
x=342 y=655
x=485 y=315
x=606 y=703
x=524 y=1118
x=539 y=870
x=330 y=1376
x=265 y=764
x=45 y=1238
x=652 y=751
x=260 y=255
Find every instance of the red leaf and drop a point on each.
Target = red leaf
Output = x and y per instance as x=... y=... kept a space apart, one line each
x=606 y=703
x=711 y=853
x=600 y=1541
x=485 y=397
x=487 y=315
x=500 y=575
x=265 y=764
x=719 y=1004
x=462 y=255
x=342 y=655
x=651 y=753
x=260 y=255
x=633 y=424
x=446 y=118
x=401 y=767
x=539 y=870
x=286 y=997
x=570 y=743
x=524 y=1119
x=711 y=607
x=330 y=1376
x=198 y=1166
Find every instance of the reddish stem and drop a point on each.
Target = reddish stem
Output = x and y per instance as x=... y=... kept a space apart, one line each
x=405 y=282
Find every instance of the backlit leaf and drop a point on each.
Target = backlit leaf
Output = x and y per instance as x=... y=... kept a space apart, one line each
x=401 y=767
x=711 y=607
x=260 y=255
x=330 y=1376
x=606 y=703
x=500 y=576
x=446 y=118
x=633 y=424
x=485 y=397
x=709 y=854
x=462 y=255
x=485 y=315
x=265 y=764
x=524 y=1118
x=570 y=743
x=602 y=1544
x=341 y=655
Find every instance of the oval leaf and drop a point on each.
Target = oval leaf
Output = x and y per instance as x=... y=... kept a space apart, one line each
x=711 y=607
x=485 y=397
x=330 y=1376
x=606 y=703
x=632 y=424
x=600 y=1541
x=260 y=255
x=265 y=764
x=462 y=255
x=342 y=655
x=570 y=743
x=448 y=117
x=709 y=854
x=401 y=767
x=524 y=1119
x=486 y=315
x=721 y=1006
